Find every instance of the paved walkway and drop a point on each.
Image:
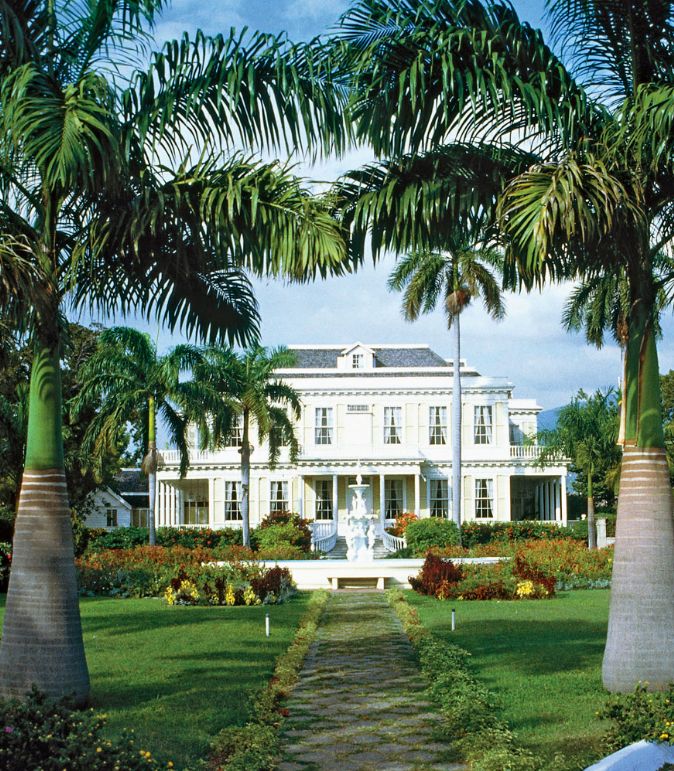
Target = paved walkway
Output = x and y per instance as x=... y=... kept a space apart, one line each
x=360 y=703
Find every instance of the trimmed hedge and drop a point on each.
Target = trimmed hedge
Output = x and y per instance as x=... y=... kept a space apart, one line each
x=424 y=534
x=478 y=533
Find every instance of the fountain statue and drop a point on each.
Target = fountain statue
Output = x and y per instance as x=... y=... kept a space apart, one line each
x=360 y=534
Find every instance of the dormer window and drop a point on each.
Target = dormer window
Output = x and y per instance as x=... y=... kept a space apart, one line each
x=357 y=361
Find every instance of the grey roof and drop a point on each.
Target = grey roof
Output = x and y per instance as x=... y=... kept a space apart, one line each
x=322 y=358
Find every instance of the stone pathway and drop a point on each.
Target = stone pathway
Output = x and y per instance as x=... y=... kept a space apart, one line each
x=360 y=702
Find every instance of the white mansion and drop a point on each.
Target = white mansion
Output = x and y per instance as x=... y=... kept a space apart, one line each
x=383 y=410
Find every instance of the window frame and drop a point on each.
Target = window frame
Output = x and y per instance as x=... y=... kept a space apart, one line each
x=232 y=503
x=389 y=511
x=324 y=503
x=438 y=505
x=279 y=503
x=433 y=425
x=393 y=429
x=195 y=509
x=484 y=502
x=483 y=431
x=111 y=516
x=323 y=425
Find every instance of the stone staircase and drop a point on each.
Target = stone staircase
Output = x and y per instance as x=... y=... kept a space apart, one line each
x=339 y=552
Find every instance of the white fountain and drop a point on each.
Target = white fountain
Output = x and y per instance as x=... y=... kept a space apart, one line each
x=360 y=533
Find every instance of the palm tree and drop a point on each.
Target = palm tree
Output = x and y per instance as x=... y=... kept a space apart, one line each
x=237 y=390
x=457 y=276
x=104 y=206
x=475 y=118
x=132 y=383
x=587 y=433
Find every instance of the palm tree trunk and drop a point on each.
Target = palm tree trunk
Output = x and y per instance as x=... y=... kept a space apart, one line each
x=641 y=616
x=591 y=521
x=42 y=635
x=150 y=468
x=245 y=481
x=456 y=426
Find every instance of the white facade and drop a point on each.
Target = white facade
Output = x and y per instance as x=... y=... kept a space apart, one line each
x=383 y=410
x=108 y=510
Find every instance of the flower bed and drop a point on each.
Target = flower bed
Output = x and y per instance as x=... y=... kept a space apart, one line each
x=150 y=571
x=507 y=580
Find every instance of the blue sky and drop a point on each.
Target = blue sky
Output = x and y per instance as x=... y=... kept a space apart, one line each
x=529 y=346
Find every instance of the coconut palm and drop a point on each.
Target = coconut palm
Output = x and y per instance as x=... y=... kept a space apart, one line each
x=474 y=117
x=455 y=278
x=133 y=383
x=103 y=199
x=237 y=390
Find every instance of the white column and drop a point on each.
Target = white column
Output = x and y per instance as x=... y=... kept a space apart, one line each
x=172 y=506
x=160 y=509
x=181 y=506
x=211 y=502
x=558 y=500
x=382 y=502
x=564 y=514
x=300 y=496
x=335 y=502
x=417 y=494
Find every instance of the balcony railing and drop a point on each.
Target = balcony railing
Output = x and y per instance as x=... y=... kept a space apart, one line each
x=323 y=535
x=525 y=451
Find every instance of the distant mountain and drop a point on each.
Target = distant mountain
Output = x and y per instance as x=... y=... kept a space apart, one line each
x=547 y=419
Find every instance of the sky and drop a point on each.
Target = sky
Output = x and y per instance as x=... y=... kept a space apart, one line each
x=529 y=347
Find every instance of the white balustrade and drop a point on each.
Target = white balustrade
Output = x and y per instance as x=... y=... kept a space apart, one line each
x=525 y=450
x=393 y=542
x=323 y=535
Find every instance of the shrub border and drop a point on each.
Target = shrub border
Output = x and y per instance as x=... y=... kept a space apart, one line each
x=467 y=707
x=256 y=745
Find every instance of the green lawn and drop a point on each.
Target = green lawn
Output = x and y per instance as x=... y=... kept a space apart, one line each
x=177 y=675
x=543 y=660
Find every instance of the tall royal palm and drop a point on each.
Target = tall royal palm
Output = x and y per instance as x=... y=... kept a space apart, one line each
x=102 y=198
x=238 y=391
x=132 y=382
x=474 y=116
x=453 y=278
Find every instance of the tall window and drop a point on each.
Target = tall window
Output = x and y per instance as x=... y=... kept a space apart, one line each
x=195 y=512
x=393 y=498
x=278 y=496
x=437 y=425
x=323 y=499
x=110 y=517
x=393 y=418
x=323 y=425
x=357 y=361
x=484 y=498
x=236 y=434
x=232 y=501
x=482 y=423
x=139 y=517
x=439 y=499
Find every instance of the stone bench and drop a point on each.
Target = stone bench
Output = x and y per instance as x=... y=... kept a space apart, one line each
x=357 y=581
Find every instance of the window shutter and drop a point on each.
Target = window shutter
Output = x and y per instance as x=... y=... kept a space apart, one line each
x=468 y=508
x=467 y=430
x=502 y=500
x=501 y=431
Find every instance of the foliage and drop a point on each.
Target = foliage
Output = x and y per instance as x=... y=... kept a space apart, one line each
x=469 y=710
x=233 y=584
x=587 y=433
x=147 y=571
x=474 y=533
x=667 y=388
x=639 y=715
x=256 y=745
x=401 y=523
x=432 y=531
x=571 y=563
x=188 y=537
x=509 y=579
x=281 y=529
x=5 y=564
x=51 y=736
x=85 y=471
